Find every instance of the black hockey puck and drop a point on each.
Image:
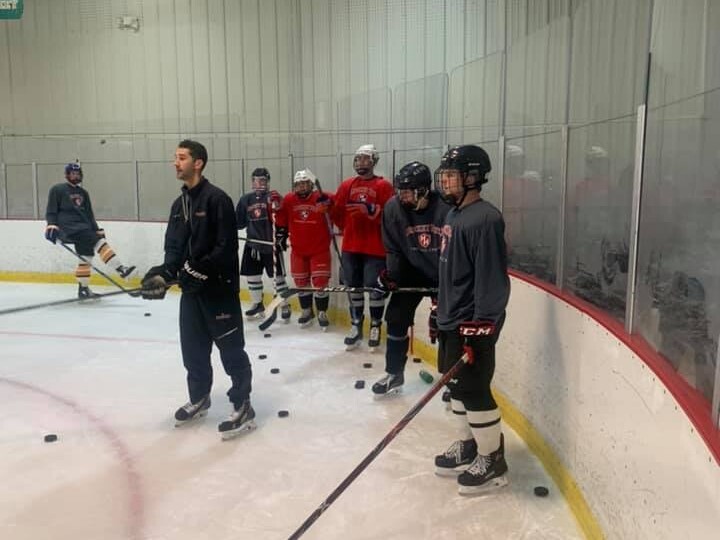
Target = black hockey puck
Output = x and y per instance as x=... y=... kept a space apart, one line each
x=417 y=360
x=275 y=370
x=359 y=385
x=148 y=314
x=262 y=356
x=50 y=437
x=541 y=491
x=283 y=414
x=267 y=335
x=367 y=365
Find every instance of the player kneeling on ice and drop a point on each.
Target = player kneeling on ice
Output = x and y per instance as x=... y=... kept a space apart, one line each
x=71 y=220
x=473 y=293
x=303 y=217
x=411 y=230
x=201 y=253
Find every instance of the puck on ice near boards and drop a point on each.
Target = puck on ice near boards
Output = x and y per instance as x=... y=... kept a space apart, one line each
x=147 y=314
x=275 y=370
x=367 y=365
x=50 y=437
x=262 y=356
x=267 y=335
x=283 y=414
x=541 y=491
x=359 y=384
x=417 y=360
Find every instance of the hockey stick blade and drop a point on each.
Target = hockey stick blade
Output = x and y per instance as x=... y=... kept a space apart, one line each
x=273 y=307
x=62 y=302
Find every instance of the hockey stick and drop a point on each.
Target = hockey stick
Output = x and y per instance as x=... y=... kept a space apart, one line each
x=404 y=421
x=69 y=301
x=279 y=299
x=83 y=259
x=254 y=241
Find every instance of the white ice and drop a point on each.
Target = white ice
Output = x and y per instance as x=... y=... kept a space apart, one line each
x=107 y=379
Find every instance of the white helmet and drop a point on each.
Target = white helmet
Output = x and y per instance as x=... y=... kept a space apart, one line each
x=304 y=175
x=368 y=150
x=303 y=183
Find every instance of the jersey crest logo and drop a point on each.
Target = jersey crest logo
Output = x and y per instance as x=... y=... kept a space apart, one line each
x=257 y=212
x=424 y=240
x=77 y=199
x=304 y=215
x=362 y=197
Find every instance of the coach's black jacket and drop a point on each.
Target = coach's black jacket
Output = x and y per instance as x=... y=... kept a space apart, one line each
x=202 y=230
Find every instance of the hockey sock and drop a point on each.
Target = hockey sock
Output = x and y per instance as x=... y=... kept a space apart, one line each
x=280 y=285
x=377 y=307
x=255 y=285
x=485 y=426
x=396 y=348
x=322 y=301
x=305 y=300
x=357 y=306
x=82 y=273
x=107 y=255
x=461 y=419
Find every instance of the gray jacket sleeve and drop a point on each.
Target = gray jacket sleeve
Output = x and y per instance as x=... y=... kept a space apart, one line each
x=492 y=284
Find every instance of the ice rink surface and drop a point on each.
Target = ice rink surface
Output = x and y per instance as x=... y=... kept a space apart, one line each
x=107 y=378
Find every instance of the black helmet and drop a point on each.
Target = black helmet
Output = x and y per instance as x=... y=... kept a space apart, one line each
x=468 y=159
x=414 y=175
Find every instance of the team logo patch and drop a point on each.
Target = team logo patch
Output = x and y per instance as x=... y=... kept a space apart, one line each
x=77 y=199
x=424 y=240
x=257 y=212
x=362 y=197
x=304 y=215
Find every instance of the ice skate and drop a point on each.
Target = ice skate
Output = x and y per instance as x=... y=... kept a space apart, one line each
x=446 y=399
x=257 y=311
x=192 y=411
x=389 y=385
x=285 y=313
x=456 y=459
x=240 y=421
x=84 y=293
x=485 y=473
x=306 y=318
x=323 y=320
x=124 y=271
x=374 y=337
x=354 y=337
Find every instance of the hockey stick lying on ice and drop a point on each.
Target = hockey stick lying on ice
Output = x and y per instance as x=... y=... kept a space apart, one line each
x=83 y=259
x=69 y=301
x=404 y=421
x=254 y=241
x=280 y=298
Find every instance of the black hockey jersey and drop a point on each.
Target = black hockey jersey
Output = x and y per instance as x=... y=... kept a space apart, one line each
x=474 y=283
x=412 y=241
x=69 y=208
x=252 y=213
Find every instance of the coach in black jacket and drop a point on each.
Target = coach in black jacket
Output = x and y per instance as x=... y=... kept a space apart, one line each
x=201 y=252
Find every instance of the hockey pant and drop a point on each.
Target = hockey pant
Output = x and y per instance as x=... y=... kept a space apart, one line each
x=361 y=270
x=87 y=243
x=311 y=270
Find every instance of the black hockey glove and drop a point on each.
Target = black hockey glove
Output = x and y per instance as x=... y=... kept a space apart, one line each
x=324 y=203
x=476 y=328
x=432 y=321
x=193 y=277
x=385 y=283
x=155 y=283
x=281 y=238
x=51 y=233
x=100 y=233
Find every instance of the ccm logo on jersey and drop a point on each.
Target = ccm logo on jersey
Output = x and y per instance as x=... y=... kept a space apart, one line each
x=477 y=329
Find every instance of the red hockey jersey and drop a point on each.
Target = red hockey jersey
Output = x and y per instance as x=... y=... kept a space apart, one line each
x=307 y=223
x=357 y=211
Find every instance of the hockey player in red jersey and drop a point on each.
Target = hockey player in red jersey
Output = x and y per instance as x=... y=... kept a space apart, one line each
x=303 y=217
x=357 y=211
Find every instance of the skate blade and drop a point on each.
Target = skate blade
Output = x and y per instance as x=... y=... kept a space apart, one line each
x=373 y=348
x=324 y=328
x=255 y=317
x=198 y=416
x=451 y=473
x=394 y=392
x=232 y=433
x=307 y=324
x=352 y=347
x=490 y=485
x=286 y=321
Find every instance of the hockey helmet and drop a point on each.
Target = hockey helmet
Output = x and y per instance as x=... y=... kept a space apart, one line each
x=360 y=165
x=414 y=180
x=73 y=168
x=303 y=183
x=260 y=179
x=469 y=161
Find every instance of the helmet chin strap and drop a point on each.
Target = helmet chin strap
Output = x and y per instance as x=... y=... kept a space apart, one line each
x=422 y=201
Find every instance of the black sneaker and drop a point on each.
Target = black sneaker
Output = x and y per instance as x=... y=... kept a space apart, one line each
x=192 y=411
x=456 y=459
x=485 y=472
x=124 y=271
x=240 y=420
